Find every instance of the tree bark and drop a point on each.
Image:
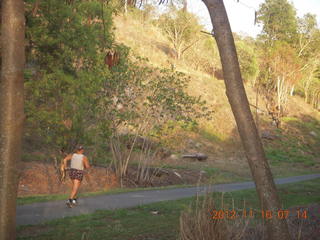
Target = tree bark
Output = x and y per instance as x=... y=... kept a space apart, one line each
x=235 y=91
x=11 y=111
x=185 y=6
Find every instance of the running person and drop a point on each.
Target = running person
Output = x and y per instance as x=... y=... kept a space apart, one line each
x=78 y=163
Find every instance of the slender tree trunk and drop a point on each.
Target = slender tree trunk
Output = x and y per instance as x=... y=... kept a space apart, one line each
x=277 y=228
x=125 y=7
x=11 y=111
x=292 y=90
x=185 y=6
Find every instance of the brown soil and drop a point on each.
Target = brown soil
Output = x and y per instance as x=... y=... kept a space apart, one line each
x=43 y=178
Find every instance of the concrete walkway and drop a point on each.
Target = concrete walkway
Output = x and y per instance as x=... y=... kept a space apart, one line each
x=37 y=213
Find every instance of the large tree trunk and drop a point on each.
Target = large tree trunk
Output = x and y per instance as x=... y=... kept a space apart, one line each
x=276 y=228
x=11 y=111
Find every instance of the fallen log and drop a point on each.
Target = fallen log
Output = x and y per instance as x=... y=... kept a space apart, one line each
x=198 y=156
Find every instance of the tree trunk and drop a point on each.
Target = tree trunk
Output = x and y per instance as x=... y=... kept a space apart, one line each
x=292 y=91
x=276 y=228
x=185 y=6
x=125 y=7
x=11 y=111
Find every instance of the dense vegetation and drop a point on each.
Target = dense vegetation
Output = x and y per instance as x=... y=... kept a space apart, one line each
x=73 y=96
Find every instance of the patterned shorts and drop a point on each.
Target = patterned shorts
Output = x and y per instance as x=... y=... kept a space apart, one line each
x=76 y=174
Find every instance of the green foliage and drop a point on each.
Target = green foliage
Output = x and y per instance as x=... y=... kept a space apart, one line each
x=146 y=99
x=307 y=25
x=308 y=51
x=73 y=97
x=248 y=61
x=65 y=69
x=290 y=52
x=279 y=21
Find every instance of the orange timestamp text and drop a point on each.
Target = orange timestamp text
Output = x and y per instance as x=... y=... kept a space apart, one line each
x=265 y=214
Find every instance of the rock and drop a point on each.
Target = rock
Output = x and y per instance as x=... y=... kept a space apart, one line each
x=268 y=135
x=312 y=133
x=174 y=157
x=198 y=145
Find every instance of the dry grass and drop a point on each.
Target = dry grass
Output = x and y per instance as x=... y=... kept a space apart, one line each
x=197 y=223
x=145 y=40
x=219 y=136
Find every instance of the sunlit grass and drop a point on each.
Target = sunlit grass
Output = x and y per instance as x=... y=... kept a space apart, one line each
x=140 y=223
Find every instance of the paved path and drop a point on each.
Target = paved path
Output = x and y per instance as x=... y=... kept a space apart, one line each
x=37 y=213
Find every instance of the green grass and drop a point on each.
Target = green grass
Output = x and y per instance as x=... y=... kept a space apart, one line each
x=278 y=156
x=217 y=176
x=290 y=170
x=138 y=223
x=295 y=144
x=207 y=134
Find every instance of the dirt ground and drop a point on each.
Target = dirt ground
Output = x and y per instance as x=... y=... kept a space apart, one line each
x=43 y=178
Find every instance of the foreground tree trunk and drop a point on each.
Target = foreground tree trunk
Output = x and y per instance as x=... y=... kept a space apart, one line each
x=11 y=111
x=276 y=228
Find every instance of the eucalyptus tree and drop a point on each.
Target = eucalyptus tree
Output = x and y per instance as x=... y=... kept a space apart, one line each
x=260 y=170
x=11 y=111
x=309 y=53
x=279 y=21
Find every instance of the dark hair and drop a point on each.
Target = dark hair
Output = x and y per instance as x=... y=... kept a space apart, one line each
x=80 y=147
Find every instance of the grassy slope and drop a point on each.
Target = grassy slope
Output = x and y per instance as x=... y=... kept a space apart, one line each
x=294 y=152
x=139 y=223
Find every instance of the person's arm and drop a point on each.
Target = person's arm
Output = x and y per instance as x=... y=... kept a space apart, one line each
x=86 y=162
x=66 y=159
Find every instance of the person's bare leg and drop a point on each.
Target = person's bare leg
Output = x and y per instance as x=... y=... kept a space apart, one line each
x=75 y=187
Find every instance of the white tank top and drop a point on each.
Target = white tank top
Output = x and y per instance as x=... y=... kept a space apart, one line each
x=77 y=161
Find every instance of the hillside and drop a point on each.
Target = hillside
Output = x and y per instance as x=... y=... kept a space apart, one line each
x=296 y=143
x=292 y=149
x=118 y=98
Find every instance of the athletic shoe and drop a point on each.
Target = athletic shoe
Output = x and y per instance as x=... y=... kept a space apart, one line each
x=69 y=203
x=74 y=201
